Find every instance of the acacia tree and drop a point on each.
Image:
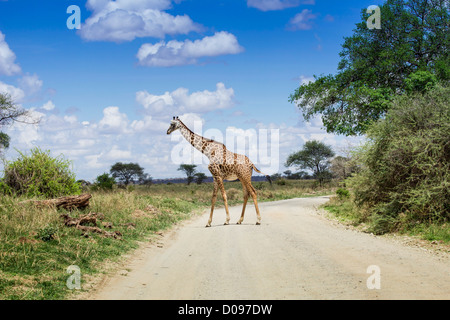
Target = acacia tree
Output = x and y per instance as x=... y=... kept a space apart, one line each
x=200 y=177
x=375 y=63
x=127 y=172
x=314 y=156
x=189 y=170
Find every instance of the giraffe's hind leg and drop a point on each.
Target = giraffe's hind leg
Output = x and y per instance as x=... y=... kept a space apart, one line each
x=251 y=191
x=255 y=201
x=246 y=193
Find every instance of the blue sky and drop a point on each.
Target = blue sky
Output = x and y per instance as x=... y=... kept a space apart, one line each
x=106 y=92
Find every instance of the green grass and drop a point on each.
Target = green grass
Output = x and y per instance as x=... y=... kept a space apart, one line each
x=36 y=248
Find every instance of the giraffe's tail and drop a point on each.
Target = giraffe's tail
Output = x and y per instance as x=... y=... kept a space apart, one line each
x=267 y=176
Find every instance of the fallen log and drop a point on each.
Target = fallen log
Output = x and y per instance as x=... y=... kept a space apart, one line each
x=108 y=234
x=90 y=218
x=68 y=203
x=88 y=223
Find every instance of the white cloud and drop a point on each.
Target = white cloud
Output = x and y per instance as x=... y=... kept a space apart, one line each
x=8 y=66
x=148 y=124
x=49 y=105
x=26 y=129
x=113 y=121
x=180 y=101
x=302 y=20
x=175 y=53
x=31 y=84
x=17 y=94
x=269 y=5
x=122 y=20
x=115 y=154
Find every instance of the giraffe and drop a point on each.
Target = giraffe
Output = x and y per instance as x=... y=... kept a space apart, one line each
x=223 y=165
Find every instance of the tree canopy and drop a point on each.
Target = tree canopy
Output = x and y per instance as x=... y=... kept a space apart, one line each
x=200 y=177
x=189 y=170
x=375 y=63
x=315 y=157
x=127 y=172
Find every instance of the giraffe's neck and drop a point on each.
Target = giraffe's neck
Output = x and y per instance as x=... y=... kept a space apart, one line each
x=197 y=141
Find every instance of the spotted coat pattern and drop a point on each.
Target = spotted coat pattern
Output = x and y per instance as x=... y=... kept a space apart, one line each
x=223 y=165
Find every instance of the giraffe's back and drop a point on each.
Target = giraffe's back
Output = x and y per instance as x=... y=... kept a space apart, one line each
x=231 y=166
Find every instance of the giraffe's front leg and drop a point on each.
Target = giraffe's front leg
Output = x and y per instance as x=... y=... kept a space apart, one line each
x=213 y=202
x=224 y=196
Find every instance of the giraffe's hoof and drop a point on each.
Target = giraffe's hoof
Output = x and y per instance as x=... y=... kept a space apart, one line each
x=208 y=226
x=226 y=223
x=239 y=222
x=258 y=223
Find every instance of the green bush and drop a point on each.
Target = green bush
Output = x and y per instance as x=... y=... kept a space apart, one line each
x=5 y=189
x=405 y=165
x=47 y=233
x=40 y=175
x=342 y=193
x=105 y=182
x=281 y=182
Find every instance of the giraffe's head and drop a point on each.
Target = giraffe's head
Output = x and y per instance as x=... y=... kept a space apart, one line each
x=174 y=125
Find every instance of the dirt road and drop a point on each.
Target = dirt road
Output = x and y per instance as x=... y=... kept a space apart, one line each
x=294 y=254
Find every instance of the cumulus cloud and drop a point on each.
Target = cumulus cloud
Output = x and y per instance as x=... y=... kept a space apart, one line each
x=117 y=154
x=148 y=123
x=180 y=101
x=302 y=20
x=125 y=20
x=17 y=94
x=175 y=53
x=49 y=105
x=8 y=66
x=113 y=121
x=269 y=5
x=30 y=84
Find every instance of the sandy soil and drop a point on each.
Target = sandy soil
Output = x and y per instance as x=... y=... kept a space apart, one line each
x=294 y=254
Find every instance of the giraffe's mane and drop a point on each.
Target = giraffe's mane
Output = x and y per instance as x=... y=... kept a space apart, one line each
x=206 y=139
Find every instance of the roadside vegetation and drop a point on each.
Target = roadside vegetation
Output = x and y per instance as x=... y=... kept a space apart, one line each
x=402 y=180
x=392 y=85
